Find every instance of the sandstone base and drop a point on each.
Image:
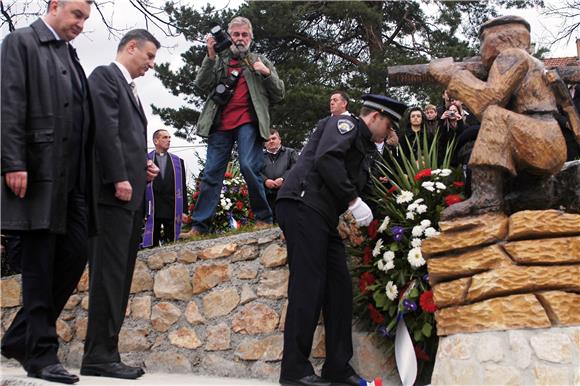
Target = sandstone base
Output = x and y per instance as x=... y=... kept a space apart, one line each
x=518 y=357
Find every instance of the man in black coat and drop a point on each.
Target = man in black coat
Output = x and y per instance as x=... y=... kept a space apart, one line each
x=278 y=160
x=166 y=199
x=47 y=189
x=331 y=173
x=121 y=137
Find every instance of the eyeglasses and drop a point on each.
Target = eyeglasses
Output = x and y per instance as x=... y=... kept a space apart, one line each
x=242 y=34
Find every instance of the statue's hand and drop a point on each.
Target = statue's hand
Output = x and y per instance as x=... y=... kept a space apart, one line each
x=442 y=70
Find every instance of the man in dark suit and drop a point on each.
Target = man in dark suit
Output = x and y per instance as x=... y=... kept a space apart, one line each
x=47 y=189
x=124 y=171
x=166 y=202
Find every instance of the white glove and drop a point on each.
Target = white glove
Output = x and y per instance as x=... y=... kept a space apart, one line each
x=361 y=212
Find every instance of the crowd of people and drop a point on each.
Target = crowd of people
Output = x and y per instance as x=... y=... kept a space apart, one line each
x=79 y=184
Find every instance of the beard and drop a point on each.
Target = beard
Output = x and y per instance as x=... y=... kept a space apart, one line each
x=239 y=50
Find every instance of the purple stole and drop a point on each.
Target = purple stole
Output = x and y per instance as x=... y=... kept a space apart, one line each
x=150 y=202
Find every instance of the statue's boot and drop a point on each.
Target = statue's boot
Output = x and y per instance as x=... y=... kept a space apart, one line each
x=486 y=196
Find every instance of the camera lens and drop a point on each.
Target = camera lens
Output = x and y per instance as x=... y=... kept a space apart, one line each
x=220 y=88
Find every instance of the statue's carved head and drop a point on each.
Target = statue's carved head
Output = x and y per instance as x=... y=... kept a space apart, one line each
x=502 y=33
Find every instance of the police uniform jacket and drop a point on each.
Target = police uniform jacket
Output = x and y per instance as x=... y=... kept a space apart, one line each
x=333 y=167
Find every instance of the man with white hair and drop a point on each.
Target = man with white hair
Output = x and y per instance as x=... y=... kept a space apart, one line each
x=239 y=86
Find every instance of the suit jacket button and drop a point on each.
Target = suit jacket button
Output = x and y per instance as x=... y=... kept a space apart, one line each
x=65 y=104
x=64 y=72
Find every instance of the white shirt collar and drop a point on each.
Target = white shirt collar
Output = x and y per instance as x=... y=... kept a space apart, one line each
x=345 y=113
x=380 y=146
x=51 y=29
x=124 y=71
x=274 y=152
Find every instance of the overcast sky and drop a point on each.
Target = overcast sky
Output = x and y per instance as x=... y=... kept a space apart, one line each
x=96 y=47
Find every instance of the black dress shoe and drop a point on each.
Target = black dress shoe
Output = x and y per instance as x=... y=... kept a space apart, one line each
x=353 y=380
x=112 y=370
x=309 y=380
x=55 y=373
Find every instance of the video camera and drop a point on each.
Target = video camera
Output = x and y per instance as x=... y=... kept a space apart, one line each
x=224 y=90
x=222 y=38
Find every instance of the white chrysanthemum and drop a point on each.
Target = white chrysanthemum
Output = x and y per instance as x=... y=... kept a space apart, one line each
x=415 y=258
x=440 y=186
x=378 y=246
x=391 y=291
x=417 y=231
x=425 y=223
x=389 y=265
x=388 y=256
x=428 y=185
x=404 y=197
x=410 y=216
x=435 y=172
x=411 y=207
x=418 y=201
x=416 y=243
x=445 y=172
x=421 y=209
x=381 y=265
x=430 y=232
x=384 y=225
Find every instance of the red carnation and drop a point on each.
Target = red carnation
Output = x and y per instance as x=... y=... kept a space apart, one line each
x=422 y=174
x=250 y=214
x=393 y=189
x=365 y=280
x=195 y=194
x=244 y=191
x=376 y=316
x=426 y=302
x=228 y=175
x=421 y=355
x=372 y=229
x=458 y=184
x=367 y=255
x=452 y=199
x=239 y=205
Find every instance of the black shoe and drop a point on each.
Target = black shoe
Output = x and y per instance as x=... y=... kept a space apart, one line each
x=55 y=373
x=309 y=380
x=353 y=380
x=112 y=370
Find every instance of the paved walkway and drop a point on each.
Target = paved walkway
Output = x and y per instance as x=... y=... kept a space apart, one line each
x=12 y=376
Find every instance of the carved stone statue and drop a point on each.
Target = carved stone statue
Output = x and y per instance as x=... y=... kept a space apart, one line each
x=515 y=106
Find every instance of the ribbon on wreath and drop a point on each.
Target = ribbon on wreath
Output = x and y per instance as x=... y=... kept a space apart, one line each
x=404 y=350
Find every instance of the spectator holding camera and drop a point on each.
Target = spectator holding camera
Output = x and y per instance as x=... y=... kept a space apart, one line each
x=451 y=126
x=240 y=87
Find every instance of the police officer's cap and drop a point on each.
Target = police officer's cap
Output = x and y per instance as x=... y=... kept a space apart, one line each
x=510 y=19
x=385 y=105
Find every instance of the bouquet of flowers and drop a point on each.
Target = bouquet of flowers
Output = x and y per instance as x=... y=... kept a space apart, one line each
x=392 y=277
x=233 y=209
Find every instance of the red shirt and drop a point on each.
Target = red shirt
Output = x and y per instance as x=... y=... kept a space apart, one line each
x=237 y=111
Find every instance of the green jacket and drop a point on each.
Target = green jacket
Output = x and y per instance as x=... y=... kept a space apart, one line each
x=263 y=91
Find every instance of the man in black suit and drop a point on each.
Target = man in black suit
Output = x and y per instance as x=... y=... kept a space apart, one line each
x=47 y=189
x=124 y=170
x=166 y=200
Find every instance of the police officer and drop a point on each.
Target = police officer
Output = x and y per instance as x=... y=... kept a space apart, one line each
x=327 y=180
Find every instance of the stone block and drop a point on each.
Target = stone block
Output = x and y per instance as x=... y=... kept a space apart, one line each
x=460 y=347
x=509 y=312
x=274 y=284
x=159 y=259
x=63 y=330
x=218 y=337
x=173 y=282
x=283 y=316
x=563 y=307
x=192 y=314
x=83 y=284
x=553 y=347
x=245 y=252
x=81 y=327
x=248 y=294
x=217 y=251
x=451 y=293
x=369 y=358
x=141 y=307
x=274 y=256
x=74 y=356
x=466 y=264
x=208 y=276
x=142 y=279
x=217 y=365
x=519 y=346
x=255 y=318
x=267 y=349
x=490 y=348
x=134 y=340
x=164 y=315
x=267 y=371
x=551 y=376
x=185 y=337
x=466 y=232
x=72 y=302
x=167 y=362
x=85 y=302
x=546 y=251
x=247 y=273
x=456 y=372
x=10 y=292
x=8 y=317
x=186 y=256
x=318 y=344
x=501 y=375
x=220 y=302
x=543 y=223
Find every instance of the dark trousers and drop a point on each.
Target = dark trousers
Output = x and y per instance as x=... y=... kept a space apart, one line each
x=51 y=268
x=168 y=231
x=271 y=197
x=111 y=266
x=319 y=280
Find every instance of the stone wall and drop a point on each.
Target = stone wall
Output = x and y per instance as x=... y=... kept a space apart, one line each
x=517 y=357
x=214 y=307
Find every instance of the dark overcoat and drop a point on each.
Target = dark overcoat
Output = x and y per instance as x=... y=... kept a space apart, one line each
x=36 y=120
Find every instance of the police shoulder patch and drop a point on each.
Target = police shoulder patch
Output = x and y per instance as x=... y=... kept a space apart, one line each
x=344 y=126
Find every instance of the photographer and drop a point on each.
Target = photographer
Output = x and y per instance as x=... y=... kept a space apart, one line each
x=452 y=125
x=240 y=86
